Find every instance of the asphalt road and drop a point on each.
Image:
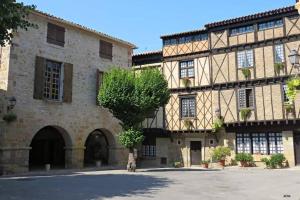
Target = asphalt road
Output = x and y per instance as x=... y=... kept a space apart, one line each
x=159 y=184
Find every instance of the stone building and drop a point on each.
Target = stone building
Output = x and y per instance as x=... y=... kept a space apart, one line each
x=236 y=70
x=52 y=75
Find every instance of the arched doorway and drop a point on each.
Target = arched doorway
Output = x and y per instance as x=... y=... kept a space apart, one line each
x=96 y=149
x=47 y=147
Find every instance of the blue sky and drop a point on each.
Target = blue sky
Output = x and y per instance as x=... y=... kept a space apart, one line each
x=142 y=22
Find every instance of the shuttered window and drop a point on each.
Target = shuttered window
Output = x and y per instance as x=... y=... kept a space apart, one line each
x=56 y=35
x=149 y=147
x=53 y=80
x=246 y=98
x=188 y=107
x=106 y=50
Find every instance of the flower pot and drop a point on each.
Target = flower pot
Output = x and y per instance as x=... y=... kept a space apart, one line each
x=47 y=167
x=244 y=164
x=222 y=163
x=205 y=165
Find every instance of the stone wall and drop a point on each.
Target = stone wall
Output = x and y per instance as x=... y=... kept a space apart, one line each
x=76 y=119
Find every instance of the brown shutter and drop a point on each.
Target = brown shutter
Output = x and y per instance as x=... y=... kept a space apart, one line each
x=56 y=34
x=106 y=49
x=40 y=65
x=98 y=84
x=60 y=35
x=68 y=82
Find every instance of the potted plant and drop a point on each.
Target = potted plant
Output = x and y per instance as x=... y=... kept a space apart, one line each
x=275 y=161
x=186 y=81
x=10 y=117
x=205 y=163
x=278 y=67
x=220 y=154
x=288 y=106
x=246 y=72
x=217 y=125
x=188 y=124
x=177 y=164
x=245 y=159
x=293 y=87
x=245 y=113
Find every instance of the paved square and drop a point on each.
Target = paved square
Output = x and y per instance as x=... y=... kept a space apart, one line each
x=157 y=184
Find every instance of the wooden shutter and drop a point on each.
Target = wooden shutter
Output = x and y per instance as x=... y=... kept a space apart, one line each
x=105 y=49
x=98 y=84
x=68 y=82
x=242 y=98
x=56 y=35
x=39 y=74
x=250 y=97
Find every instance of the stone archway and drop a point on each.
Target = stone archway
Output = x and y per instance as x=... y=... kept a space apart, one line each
x=48 y=147
x=99 y=146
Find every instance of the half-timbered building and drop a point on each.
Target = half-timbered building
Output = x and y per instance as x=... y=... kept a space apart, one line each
x=235 y=69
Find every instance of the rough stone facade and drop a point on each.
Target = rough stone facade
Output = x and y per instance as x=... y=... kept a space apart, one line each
x=74 y=120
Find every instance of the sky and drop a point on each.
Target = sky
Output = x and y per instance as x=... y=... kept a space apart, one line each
x=142 y=22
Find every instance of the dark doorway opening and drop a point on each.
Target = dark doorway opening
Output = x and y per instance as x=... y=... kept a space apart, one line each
x=196 y=152
x=297 y=147
x=96 y=149
x=47 y=147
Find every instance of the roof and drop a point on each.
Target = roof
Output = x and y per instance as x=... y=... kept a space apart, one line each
x=183 y=33
x=285 y=10
x=148 y=53
x=252 y=17
x=52 y=17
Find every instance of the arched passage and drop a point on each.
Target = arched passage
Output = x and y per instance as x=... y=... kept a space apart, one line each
x=96 y=148
x=48 y=147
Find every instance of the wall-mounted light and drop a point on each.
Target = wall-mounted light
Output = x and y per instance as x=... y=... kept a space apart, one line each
x=294 y=58
x=297 y=6
x=12 y=101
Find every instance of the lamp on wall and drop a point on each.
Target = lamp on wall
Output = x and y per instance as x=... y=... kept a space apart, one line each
x=12 y=101
x=297 y=6
x=294 y=58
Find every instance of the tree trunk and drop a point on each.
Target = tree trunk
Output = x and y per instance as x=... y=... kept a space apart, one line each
x=131 y=165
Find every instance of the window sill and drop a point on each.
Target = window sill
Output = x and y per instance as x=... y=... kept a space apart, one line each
x=241 y=68
x=182 y=78
x=188 y=118
x=49 y=101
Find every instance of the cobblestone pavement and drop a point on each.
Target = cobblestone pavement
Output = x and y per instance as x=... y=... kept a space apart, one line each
x=162 y=184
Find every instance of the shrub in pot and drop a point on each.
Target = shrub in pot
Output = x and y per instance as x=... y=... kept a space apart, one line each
x=205 y=163
x=245 y=159
x=220 y=154
x=275 y=161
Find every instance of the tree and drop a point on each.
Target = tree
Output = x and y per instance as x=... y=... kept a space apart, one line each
x=131 y=97
x=13 y=16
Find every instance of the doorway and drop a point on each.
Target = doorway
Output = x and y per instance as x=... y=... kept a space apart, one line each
x=297 y=147
x=196 y=152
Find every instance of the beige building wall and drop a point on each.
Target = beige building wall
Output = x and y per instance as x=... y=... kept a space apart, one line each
x=77 y=119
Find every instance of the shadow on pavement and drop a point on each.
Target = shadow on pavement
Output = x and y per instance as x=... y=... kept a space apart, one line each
x=80 y=187
x=179 y=170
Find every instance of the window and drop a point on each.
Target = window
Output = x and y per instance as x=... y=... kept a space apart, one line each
x=279 y=53
x=275 y=143
x=56 y=35
x=284 y=91
x=245 y=58
x=243 y=143
x=259 y=143
x=168 y=42
x=53 y=81
x=246 y=98
x=106 y=49
x=241 y=30
x=188 y=107
x=186 y=69
x=201 y=37
x=149 y=147
x=270 y=24
x=187 y=39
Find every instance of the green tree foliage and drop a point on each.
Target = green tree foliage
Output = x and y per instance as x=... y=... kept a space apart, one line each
x=130 y=138
x=13 y=16
x=131 y=96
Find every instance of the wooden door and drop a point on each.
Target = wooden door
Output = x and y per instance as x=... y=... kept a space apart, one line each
x=196 y=152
